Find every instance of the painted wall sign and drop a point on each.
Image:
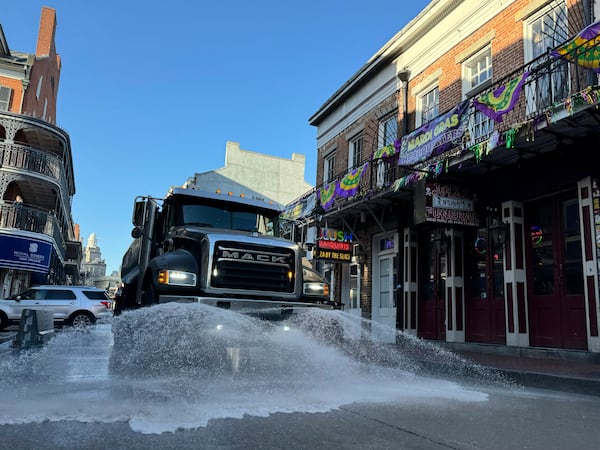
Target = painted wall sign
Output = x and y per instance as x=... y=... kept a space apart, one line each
x=22 y=253
x=444 y=203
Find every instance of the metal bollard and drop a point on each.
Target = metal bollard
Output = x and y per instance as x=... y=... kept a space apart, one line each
x=36 y=327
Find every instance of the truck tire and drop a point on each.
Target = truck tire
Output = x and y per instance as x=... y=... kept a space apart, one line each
x=149 y=295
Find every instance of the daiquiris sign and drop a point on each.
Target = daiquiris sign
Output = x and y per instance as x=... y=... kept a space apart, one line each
x=334 y=245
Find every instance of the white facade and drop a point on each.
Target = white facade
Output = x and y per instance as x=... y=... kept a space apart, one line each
x=256 y=175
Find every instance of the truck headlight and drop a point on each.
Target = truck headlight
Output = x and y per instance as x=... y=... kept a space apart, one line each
x=176 y=278
x=316 y=289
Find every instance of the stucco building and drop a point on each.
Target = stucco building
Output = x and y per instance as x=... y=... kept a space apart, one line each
x=256 y=175
x=455 y=174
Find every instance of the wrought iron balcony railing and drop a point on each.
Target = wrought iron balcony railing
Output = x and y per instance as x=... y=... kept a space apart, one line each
x=542 y=92
x=18 y=216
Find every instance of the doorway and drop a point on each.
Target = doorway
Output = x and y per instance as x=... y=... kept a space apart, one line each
x=484 y=276
x=433 y=269
x=555 y=273
x=385 y=279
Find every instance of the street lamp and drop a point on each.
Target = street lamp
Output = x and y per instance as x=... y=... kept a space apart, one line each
x=499 y=231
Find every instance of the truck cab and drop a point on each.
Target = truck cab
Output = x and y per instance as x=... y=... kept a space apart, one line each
x=218 y=249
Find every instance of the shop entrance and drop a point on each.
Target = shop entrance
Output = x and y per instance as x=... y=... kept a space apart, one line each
x=433 y=260
x=484 y=278
x=555 y=273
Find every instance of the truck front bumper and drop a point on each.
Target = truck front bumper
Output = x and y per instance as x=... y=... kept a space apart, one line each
x=249 y=306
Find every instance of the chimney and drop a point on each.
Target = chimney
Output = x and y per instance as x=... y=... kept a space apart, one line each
x=45 y=43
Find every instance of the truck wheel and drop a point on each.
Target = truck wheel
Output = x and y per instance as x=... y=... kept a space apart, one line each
x=149 y=295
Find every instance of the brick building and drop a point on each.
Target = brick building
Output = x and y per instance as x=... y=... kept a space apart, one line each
x=455 y=175
x=37 y=238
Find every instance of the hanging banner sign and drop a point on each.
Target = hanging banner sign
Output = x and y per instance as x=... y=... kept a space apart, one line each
x=22 y=253
x=334 y=245
x=444 y=203
x=435 y=137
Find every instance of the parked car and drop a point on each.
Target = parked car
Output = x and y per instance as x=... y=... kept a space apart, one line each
x=78 y=306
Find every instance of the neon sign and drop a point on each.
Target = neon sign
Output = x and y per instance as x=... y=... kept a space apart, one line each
x=536 y=235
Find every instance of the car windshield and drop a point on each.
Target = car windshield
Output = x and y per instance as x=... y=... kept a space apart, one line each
x=223 y=216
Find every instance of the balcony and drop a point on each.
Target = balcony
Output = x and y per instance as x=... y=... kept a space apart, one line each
x=555 y=104
x=14 y=215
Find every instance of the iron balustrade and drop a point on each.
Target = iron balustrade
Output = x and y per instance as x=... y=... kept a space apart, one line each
x=549 y=85
x=15 y=215
x=18 y=156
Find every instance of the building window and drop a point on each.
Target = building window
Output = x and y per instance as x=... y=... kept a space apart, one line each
x=355 y=151
x=39 y=87
x=384 y=168
x=544 y=31
x=477 y=71
x=429 y=103
x=388 y=130
x=477 y=75
x=5 y=94
x=328 y=167
x=354 y=286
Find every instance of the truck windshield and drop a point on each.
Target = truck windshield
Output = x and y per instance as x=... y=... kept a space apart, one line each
x=222 y=217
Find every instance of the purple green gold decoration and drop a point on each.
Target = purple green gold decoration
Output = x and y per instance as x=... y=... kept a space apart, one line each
x=327 y=194
x=583 y=49
x=349 y=184
x=384 y=152
x=502 y=100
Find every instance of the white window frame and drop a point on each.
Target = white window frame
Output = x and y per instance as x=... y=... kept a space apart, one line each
x=5 y=95
x=329 y=167
x=39 y=87
x=354 y=286
x=432 y=91
x=355 y=150
x=557 y=82
x=385 y=124
x=479 y=66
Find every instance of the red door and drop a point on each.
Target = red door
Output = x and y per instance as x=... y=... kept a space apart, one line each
x=555 y=273
x=432 y=287
x=484 y=278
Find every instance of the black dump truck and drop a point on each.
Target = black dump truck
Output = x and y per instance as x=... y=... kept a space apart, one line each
x=218 y=249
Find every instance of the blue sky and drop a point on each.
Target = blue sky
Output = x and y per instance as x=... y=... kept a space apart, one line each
x=151 y=91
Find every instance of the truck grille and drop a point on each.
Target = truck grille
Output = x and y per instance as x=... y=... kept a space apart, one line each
x=251 y=267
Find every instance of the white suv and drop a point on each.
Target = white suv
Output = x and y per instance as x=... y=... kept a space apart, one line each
x=71 y=305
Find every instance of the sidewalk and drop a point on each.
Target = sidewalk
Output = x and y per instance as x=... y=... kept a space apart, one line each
x=563 y=370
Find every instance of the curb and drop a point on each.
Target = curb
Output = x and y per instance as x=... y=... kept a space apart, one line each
x=572 y=385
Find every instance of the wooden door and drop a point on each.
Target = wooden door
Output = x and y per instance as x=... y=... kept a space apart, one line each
x=433 y=261
x=555 y=273
x=484 y=278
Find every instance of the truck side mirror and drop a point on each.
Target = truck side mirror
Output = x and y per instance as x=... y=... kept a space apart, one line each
x=138 y=213
x=136 y=232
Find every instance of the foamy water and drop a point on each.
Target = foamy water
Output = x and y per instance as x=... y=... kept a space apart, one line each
x=177 y=366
